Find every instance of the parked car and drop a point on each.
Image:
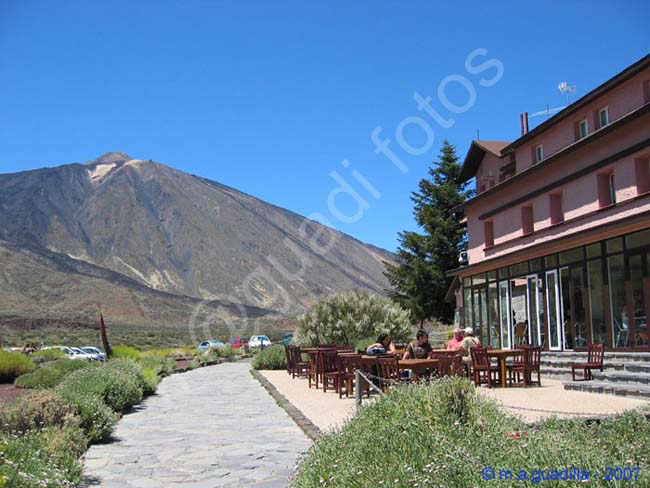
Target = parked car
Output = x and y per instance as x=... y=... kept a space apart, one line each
x=207 y=345
x=238 y=342
x=72 y=352
x=258 y=341
x=98 y=354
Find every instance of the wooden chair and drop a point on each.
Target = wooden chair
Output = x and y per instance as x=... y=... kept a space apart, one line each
x=348 y=365
x=520 y=332
x=483 y=369
x=451 y=365
x=595 y=357
x=330 y=370
x=520 y=371
x=388 y=369
x=300 y=367
x=289 y=357
x=314 y=372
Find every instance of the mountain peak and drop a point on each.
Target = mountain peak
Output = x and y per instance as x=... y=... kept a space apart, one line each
x=110 y=157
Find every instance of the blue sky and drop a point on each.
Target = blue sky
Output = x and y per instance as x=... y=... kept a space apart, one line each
x=271 y=97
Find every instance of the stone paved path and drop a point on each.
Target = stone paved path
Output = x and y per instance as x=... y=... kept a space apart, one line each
x=210 y=427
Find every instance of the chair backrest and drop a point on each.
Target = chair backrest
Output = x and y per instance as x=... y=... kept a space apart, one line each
x=596 y=353
x=289 y=355
x=451 y=365
x=532 y=356
x=479 y=357
x=349 y=363
x=387 y=368
x=344 y=349
x=329 y=361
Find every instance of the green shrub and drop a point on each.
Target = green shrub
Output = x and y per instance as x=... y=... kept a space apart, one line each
x=161 y=366
x=48 y=458
x=177 y=352
x=50 y=374
x=445 y=434
x=113 y=386
x=36 y=411
x=347 y=318
x=126 y=352
x=363 y=344
x=272 y=357
x=13 y=364
x=47 y=355
x=223 y=352
x=95 y=417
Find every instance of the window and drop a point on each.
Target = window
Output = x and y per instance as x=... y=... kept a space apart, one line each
x=583 y=128
x=603 y=117
x=557 y=209
x=488 y=231
x=642 y=174
x=606 y=190
x=539 y=153
x=527 y=221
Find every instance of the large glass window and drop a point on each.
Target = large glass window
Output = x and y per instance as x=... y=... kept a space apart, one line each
x=620 y=320
x=578 y=301
x=597 y=312
x=567 y=320
x=467 y=304
x=638 y=301
x=504 y=307
x=493 y=315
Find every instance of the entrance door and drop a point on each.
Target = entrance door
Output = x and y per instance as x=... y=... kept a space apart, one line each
x=553 y=305
x=535 y=313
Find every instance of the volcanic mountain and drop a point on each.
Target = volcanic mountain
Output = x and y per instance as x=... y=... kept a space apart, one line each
x=148 y=243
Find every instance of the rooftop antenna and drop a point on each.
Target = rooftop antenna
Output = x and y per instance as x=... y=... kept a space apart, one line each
x=567 y=90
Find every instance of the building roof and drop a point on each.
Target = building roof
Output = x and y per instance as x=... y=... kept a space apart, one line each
x=475 y=155
x=621 y=77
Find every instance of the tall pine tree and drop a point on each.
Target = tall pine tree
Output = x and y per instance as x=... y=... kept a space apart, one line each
x=419 y=277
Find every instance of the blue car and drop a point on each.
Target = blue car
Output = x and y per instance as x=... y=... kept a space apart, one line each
x=207 y=345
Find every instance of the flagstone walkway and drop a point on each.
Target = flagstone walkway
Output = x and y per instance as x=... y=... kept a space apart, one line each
x=210 y=427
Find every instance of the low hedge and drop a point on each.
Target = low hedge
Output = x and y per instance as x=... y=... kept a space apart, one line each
x=272 y=357
x=446 y=434
x=47 y=355
x=95 y=417
x=115 y=386
x=14 y=364
x=50 y=374
x=126 y=352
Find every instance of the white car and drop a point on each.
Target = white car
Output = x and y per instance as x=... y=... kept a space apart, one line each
x=96 y=353
x=258 y=341
x=72 y=352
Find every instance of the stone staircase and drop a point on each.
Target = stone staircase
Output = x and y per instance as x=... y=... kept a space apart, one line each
x=624 y=373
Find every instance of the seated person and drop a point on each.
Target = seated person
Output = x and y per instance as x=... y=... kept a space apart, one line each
x=454 y=344
x=468 y=343
x=383 y=346
x=420 y=347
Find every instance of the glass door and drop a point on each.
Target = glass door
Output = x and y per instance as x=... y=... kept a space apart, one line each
x=504 y=309
x=553 y=306
x=535 y=313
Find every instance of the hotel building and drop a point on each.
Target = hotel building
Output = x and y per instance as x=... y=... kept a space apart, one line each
x=559 y=228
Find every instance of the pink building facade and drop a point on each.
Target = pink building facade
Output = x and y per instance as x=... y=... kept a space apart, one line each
x=559 y=230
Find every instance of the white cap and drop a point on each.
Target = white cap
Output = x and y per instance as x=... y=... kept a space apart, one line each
x=469 y=330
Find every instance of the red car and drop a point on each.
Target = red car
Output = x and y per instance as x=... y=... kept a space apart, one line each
x=238 y=342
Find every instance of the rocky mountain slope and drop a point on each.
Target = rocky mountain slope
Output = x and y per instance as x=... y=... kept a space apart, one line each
x=149 y=242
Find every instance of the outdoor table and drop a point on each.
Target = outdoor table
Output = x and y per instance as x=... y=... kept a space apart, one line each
x=417 y=365
x=445 y=352
x=502 y=355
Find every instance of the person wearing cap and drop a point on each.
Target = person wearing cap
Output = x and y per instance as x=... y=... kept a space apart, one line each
x=468 y=343
x=454 y=343
x=420 y=347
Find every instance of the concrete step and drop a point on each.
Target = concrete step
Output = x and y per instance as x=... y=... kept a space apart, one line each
x=555 y=373
x=613 y=357
x=609 y=388
x=624 y=377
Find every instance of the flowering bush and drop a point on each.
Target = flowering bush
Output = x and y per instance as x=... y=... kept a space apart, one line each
x=347 y=318
x=36 y=411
